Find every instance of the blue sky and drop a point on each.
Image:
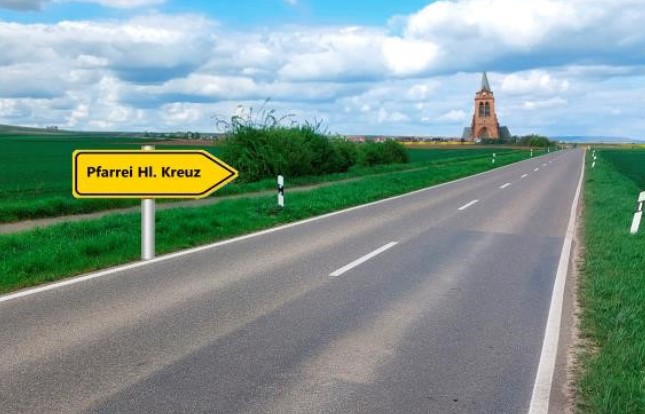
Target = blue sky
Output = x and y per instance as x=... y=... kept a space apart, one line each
x=557 y=67
x=235 y=13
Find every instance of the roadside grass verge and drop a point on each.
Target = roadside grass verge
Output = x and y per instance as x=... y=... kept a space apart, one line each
x=51 y=253
x=36 y=180
x=612 y=288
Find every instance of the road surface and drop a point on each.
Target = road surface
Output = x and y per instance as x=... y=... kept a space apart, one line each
x=434 y=302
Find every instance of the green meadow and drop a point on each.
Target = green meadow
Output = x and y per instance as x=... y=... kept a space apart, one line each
x=35 y=180
x=611 y=377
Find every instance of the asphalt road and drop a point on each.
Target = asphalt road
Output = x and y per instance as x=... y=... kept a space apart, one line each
x=450 y=319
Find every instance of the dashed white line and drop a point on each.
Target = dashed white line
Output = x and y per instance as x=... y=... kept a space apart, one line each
x=462 y=208
x=537 y=169
x=362 y=259
x=544 y=165
x=524 y=176
x=501 y=187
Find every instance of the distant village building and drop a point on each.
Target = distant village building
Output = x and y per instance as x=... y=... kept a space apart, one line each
x=485 y=124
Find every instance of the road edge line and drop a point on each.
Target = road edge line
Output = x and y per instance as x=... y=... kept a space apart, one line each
x=541 y=395
x=129 y=266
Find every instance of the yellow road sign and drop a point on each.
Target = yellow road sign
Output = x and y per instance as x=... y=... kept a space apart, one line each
x=147 y=174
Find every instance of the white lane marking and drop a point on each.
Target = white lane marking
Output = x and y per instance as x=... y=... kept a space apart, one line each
x=362 y=259
x=544 y=377
x=170 y=256
x=537 y=169
x=544 y=165
x=524 y=176
x=501 y=187
x=462 y=208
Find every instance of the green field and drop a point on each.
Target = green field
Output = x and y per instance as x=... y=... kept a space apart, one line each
x=425 y=154
x=629 y=163
x=35 y=180
x=47 y=254
x=611 y=377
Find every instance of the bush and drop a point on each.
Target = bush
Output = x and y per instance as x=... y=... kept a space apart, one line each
x=388 y=152
x=263 y=146
x=535 y=141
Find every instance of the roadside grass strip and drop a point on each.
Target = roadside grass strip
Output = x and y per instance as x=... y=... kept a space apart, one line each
x=55 y=252
x=611 y=377
x=46 y=191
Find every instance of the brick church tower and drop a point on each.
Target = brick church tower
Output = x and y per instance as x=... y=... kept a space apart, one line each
x=485 y=124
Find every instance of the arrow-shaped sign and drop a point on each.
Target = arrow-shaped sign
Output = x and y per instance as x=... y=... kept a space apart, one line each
x=147 y=174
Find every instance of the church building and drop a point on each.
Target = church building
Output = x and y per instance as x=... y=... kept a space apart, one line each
x=485 y=124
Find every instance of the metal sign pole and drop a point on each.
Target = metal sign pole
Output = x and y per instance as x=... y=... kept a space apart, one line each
x=147 y=222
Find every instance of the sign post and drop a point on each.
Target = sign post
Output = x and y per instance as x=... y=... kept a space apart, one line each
x=148 y=222
x=148 y=174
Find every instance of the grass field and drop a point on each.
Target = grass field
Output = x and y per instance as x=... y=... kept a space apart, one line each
x=434 y=154
x=35 y=180
x=612 y=287
x=54 y=252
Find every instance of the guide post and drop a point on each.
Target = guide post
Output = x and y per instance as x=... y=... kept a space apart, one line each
x=148 y=222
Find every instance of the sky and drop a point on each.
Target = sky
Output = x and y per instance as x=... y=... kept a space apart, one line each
x=412 y=67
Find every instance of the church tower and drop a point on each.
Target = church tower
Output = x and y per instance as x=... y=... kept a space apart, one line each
x=485 y=124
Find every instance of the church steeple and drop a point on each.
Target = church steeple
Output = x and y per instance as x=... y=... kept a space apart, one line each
x=485 y=124
x=485 y=85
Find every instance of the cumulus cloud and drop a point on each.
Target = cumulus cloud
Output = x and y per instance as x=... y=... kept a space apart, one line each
x=454 y=115
x=173 y=71
x=534 y=81
x=145 y=49
x=547 y=103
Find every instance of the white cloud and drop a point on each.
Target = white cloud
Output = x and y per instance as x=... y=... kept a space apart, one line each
x=291 y=2
x=547 y=103
x=534 y=81
x=409 y=56
x=391 y=117
x=454 y=115
x=165 y=72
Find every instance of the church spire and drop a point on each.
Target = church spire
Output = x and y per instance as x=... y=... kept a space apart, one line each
x=485 y=85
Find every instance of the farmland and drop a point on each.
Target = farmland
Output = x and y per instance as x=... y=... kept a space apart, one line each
x=612 y=292
x=36 y=176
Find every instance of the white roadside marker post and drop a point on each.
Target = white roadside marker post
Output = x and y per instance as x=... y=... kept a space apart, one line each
x=280 y=191
x=148 y=222
x=494 y=158
x=638 y=214
x=531 y=152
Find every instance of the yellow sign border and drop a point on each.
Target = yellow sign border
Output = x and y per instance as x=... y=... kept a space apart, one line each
x=233 y=174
